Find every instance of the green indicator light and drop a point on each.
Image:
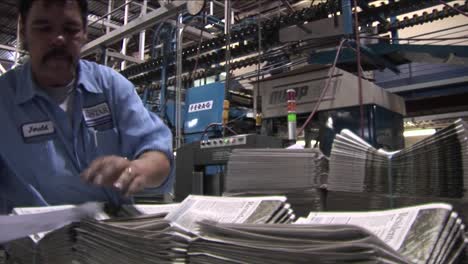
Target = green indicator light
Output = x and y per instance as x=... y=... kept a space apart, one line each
x=291 y=117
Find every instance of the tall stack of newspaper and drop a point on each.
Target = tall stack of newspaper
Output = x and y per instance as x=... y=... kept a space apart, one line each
x=165 y=237
x=424 y=234
x=434 y=169
x=297 y=173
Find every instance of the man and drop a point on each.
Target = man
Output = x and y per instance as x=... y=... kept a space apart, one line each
x=73 y=131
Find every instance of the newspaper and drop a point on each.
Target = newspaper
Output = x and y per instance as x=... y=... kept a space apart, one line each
x=224 y=210
x=99 y=215
x=146 y=239
x=436 y=166
x=423 y=234
x=391 y=226
x=149 y=209
x=160 y=238
x=261 y=243
x=19 y=226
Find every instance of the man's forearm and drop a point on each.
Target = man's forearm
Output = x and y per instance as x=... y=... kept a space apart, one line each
x=153 y=166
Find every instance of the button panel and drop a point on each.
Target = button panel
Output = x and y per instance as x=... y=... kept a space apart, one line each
x=224 y=142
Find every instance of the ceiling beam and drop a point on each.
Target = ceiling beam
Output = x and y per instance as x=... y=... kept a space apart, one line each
x=2 y=69
x=193 y=31
x=120 y=56
x=6 y=47
x=134 y=26
x=102 y=22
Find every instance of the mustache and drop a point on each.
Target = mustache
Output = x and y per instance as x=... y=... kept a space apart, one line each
x=57 y=53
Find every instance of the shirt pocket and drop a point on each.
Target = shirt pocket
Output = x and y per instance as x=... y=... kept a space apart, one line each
x=106 y=142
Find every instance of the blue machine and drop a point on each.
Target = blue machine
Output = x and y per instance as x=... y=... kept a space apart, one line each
x=203 y=111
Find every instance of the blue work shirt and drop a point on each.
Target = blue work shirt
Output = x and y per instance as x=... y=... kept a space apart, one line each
x=42 y=152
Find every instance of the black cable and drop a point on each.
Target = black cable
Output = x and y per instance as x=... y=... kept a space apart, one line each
x=454 y=8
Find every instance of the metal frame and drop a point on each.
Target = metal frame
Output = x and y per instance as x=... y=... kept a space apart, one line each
x=2 y=69
x=436 y=117
x=9 y=48
x=120 y=56
x=178 y=103
x=133 y=27
x=426 y=85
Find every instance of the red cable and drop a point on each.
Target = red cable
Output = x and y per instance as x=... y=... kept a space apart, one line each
x=324 y=91
x=358 y=61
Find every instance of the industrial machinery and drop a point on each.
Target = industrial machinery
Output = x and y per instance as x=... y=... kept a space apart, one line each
x=203 y=111
x=201 y=160
x=247 y=35
x=193 y=161
x=303 y=31
x=383 y=111
x=288 y=48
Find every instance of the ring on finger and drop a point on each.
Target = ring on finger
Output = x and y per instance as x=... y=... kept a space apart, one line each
x=127 y=177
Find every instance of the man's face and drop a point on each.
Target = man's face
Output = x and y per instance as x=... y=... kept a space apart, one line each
x=54 y=34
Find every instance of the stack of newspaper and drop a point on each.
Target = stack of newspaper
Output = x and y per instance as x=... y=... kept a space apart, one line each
x=297 y=173
x=164 y=237
x=430 y=233
x=356 y=166
x=277 y=244
x=433 y=169
x=435 y=166
x=274 y=169
x=248 y=210
x=146 y=239
x=48 y=247
x=247 y=230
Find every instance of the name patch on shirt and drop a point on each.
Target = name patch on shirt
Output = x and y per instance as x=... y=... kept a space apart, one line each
x=98 y=115
x=37 y=130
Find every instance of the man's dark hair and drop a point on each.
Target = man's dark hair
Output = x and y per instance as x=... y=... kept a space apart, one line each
x=25 y=6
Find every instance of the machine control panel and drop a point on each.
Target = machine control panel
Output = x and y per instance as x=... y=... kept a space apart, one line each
x=224 y=142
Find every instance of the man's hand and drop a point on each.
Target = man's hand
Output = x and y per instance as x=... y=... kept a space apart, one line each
x=149 y=170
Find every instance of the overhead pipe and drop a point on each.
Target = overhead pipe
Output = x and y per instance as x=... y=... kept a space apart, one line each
x=144 y=9
x=227 y=33
x=123 y=64
x=179 y=71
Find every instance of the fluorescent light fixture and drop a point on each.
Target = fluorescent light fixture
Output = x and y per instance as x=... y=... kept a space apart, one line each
x=419 y=132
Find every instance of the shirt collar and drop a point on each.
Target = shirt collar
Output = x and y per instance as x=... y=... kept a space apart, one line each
x=85 y=78
x=27 y=88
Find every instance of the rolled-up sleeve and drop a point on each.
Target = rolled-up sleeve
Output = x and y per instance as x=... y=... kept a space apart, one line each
x=140 y=130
